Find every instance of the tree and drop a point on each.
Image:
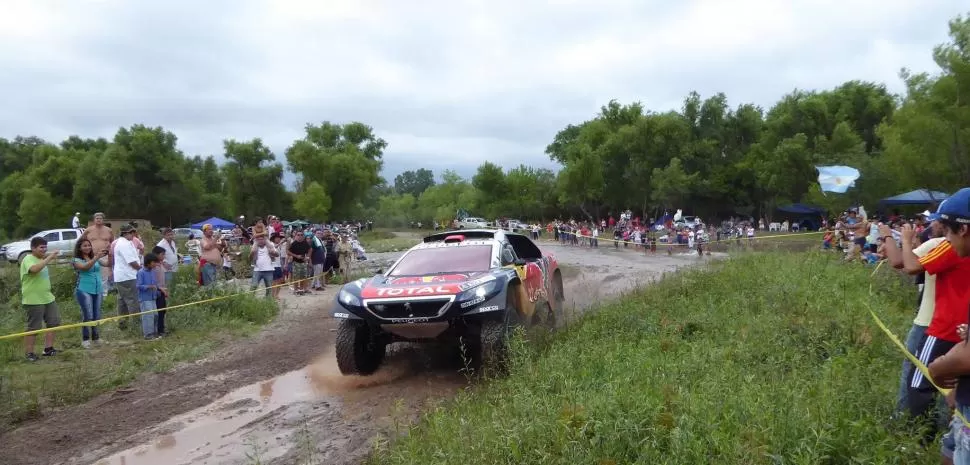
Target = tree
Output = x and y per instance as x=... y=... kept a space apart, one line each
x=254 y=181
x=671 y=184
x=345 y=160
x=313 y=203
x=413 y=182
x=34 y=211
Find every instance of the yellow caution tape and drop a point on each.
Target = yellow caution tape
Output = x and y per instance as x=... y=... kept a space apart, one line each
x=146 y=312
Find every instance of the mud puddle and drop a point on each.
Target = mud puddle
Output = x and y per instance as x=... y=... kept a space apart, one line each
x=281 y=417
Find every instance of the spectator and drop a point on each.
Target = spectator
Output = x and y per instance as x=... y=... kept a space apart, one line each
x=318 y=258
x=101 y=237
x=76 y=221
x=136 y=239
x=170 y=261
x=299 y=253
x=954 y=367
x=952 y=296
x=278 y=276
x=126 y=265
x=263 y=255
x=147 y=293
x=161 y=297
x=37 y=298
x=194 y=245
x=211 y=255
x=345 y=255
x=88 y=290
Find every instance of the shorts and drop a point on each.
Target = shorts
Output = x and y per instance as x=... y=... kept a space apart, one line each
x=277 y=273
x=38 y=315
x=860 y=241
x=299 y=271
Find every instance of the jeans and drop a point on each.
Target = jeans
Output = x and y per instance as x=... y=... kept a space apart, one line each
x=956 y=442
x=160 y=303
x=90 y=311
x=149 y=321
x=209 y=271
x=913 y=342
x=266 y=277
x=127 y=300
x=317 y=273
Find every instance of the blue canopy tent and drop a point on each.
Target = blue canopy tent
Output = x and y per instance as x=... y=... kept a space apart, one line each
x=806 y=216
x=217 y=223
x=917 y=197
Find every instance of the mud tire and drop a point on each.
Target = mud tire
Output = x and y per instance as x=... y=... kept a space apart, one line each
x=494 y=338
x=358 y=351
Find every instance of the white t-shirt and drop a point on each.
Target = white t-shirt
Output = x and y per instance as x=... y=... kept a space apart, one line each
x=125 y=254
x=171 y=254
x=263 y=260
x=928 y=304
x=75 y=222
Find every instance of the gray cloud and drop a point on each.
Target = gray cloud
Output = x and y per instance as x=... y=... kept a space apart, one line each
x=448 y=84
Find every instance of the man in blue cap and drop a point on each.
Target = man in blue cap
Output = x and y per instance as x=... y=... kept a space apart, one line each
x=953 y=369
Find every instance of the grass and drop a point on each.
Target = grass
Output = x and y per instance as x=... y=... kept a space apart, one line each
x=768 y=358
x=28 y=390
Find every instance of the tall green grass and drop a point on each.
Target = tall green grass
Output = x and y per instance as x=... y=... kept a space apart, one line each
x=769 y=358
x=27 y=390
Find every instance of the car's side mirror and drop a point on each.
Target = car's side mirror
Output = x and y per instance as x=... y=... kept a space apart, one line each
x=520 y=262
x=380 y=271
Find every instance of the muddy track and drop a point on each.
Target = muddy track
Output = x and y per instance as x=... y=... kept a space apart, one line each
x=279 y=398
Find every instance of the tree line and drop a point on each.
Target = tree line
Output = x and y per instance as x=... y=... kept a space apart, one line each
x=708 y=158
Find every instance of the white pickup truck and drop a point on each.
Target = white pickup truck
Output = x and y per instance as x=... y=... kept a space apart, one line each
x=58 y=240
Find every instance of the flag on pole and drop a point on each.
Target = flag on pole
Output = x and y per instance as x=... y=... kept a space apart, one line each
x=836 y=179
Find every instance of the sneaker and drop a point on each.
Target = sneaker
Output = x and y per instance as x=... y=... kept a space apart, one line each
x=86 y=344
x=99 y=342
x=32 y=357
x=50 y=351
x=151 y=337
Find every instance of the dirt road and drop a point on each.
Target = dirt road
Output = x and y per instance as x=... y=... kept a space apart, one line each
x=278 y=397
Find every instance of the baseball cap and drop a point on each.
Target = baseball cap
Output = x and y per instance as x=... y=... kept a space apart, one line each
x=957 y=207
x=127 y=228
x=930 y=216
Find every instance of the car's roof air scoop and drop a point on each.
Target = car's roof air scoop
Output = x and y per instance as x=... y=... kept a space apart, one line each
x=454 y=238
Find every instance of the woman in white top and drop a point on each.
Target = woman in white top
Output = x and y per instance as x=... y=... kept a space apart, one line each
x=171 y=262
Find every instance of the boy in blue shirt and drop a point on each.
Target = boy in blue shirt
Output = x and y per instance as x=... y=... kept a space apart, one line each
x=147 y=286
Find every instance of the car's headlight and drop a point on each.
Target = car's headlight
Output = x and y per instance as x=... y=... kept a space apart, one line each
x=478 y=294
x=348 y=299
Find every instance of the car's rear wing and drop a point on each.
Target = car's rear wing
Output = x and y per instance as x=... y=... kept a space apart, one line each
x=468 y=233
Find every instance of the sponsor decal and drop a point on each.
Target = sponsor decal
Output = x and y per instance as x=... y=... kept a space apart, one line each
x=410 y=320
x=488 y=308
x=341 y=315
x=475 y=301
x=379 y=292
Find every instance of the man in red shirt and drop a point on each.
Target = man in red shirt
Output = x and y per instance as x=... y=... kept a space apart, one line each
x=952 y=299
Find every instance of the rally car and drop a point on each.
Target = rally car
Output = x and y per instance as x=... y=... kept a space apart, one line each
x=470 y=286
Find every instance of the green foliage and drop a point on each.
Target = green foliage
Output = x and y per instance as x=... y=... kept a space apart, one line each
x=312 y=202
x=767 y=358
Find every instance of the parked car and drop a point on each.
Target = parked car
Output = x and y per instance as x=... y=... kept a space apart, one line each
x=58 y=240
x=473 y=223
x=183 y=233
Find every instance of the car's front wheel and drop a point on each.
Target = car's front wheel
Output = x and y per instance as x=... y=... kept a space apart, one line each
x=495 y=335
x=359 y=352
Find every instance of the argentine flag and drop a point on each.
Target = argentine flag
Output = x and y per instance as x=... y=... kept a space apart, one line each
x=836 y=179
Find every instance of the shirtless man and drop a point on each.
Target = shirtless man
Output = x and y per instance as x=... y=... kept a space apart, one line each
x=101 y=238
x=212 y=254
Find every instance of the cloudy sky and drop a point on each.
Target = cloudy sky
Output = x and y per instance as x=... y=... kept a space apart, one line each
x=448 y=84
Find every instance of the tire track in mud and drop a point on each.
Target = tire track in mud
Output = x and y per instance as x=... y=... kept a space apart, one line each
x=279 y=397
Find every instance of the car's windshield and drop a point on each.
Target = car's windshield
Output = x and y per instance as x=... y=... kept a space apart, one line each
x=462 y=259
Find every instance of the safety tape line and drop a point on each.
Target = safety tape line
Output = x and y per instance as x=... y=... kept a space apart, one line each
x=146 y=312
x=902 y=347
